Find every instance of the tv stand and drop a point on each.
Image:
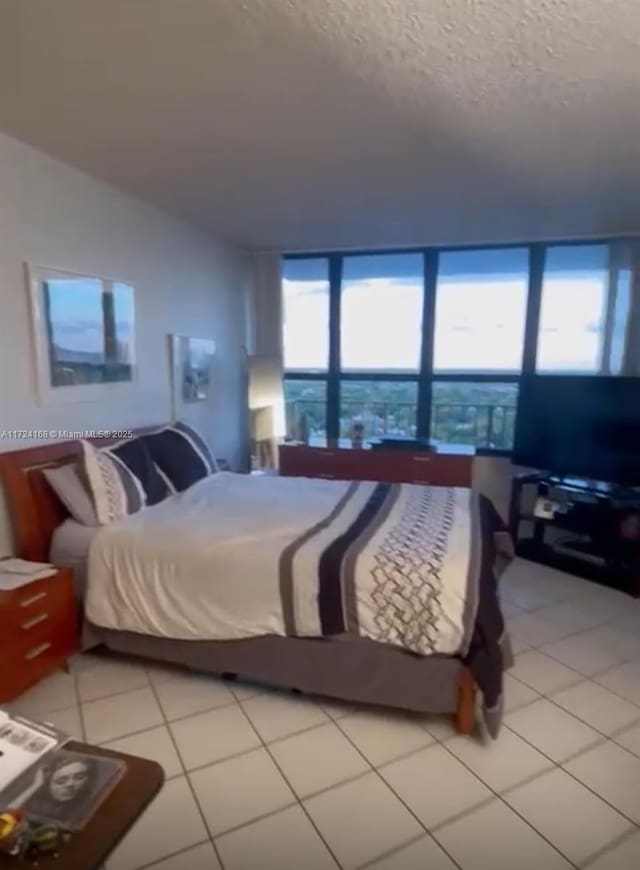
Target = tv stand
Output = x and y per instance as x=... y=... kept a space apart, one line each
x=587 y=528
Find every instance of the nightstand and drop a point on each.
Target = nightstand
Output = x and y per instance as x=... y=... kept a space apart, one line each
x=38 y=631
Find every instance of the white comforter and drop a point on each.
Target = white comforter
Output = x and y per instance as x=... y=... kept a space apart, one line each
x=207 y=563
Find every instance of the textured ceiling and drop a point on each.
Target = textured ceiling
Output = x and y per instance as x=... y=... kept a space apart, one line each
x=302 y=124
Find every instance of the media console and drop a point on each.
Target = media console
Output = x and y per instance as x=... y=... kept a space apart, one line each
x=586 y=528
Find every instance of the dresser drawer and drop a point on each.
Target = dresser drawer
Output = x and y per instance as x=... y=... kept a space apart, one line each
x=314 y=462
x=430 y=468
x=390 y=465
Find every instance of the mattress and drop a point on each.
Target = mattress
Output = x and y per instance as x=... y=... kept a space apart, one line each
x=70 y=547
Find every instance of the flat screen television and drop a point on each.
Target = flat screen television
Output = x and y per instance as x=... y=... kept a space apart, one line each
x=580 y=426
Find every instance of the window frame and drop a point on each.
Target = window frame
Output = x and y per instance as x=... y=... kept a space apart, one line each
x=425 y=377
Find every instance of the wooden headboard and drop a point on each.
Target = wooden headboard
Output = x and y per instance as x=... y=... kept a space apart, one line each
x=34 y=508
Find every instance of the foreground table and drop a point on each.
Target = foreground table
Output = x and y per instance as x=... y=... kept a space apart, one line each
x=89 y=848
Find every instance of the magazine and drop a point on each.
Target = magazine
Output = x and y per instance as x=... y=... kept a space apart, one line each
x=22 y=744
x=65 y=788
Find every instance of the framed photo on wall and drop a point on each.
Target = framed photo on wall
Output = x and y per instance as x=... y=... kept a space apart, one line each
x=83 y=330
x=191 y=362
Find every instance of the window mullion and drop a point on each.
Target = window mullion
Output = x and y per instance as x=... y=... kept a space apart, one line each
x=333 y=377
x=423 y=422
x=534 y=300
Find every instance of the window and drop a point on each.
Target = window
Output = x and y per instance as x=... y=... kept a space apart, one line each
x=305 y=302
x=306 y=410
x=585 y=308
x=382 y=407
x=481 y=303
x=381 y=312
x=573 y=313
x=482 y=414
x=367 y=353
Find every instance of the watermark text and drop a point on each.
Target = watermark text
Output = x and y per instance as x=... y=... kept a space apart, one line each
x=62 y=434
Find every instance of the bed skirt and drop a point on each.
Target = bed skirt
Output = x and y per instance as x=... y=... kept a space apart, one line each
x=345 y=668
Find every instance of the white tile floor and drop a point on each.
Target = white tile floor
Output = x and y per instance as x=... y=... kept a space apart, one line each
x=271 y=780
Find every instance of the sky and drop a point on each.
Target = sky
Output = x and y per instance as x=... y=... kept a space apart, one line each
x=480 y=315
x=76 y=314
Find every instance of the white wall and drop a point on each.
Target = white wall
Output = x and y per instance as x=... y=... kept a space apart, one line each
x=186 y=282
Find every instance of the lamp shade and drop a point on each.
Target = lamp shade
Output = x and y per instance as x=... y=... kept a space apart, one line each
x=266 y=392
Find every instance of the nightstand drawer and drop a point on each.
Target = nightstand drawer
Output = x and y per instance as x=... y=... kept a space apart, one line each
x=22 y=668
x=52 y=595
x=35 y=630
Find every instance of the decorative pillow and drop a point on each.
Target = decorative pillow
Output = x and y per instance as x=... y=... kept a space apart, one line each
x=181 y=454
x=66 y=482
x=115 y=490
x=135 y=455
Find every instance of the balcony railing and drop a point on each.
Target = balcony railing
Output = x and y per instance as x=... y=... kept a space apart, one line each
x=488 y=424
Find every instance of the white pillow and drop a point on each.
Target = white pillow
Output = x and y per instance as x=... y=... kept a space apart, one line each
x=67 y=484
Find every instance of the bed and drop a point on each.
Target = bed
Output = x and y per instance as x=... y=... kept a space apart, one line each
x=375 y=593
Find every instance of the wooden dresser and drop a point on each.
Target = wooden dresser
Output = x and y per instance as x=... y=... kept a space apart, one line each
x=38 y=631
x=387 y=465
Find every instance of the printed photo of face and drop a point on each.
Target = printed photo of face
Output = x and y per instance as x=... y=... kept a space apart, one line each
x=18 y=736
x=68 y=781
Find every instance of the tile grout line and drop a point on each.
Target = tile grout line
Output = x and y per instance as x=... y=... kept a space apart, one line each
x=186 y=775
x=233 y=830
x=497 y=795
x=606 y=622
x=441 y=825
x=401 y=800
x=591 y=859
x=593 y=678
x=551 y=699
x=142 y=688
x=395 y=851
x=538 y=647
x=293 y=791
x=428 y=831
x=611 y=736
x=83 y=726
x=182 y=671
x=439 y=741
x=561 y=766
x=151 y=864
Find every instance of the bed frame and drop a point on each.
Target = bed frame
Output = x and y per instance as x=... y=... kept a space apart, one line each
x=36 y=512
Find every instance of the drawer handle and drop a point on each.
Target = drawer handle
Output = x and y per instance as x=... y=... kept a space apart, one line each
x=34 y=598
x=326 y=455
x=31 y=623
x=37 y=651
x=422 y=458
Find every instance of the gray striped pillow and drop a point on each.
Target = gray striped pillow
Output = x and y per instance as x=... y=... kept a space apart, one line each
x=115 y=490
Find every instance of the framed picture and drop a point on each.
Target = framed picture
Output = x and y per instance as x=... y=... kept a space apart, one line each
x=83 y=335
x=191 y=366
x=65 y=788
